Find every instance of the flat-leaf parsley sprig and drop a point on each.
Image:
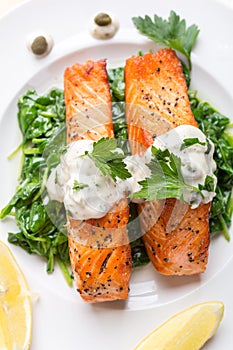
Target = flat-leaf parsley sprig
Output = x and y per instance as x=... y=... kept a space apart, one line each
x=171 y=33
x=108 y=158
x=166 y=180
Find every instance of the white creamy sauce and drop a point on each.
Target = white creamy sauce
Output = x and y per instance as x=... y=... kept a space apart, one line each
x=136 y=165
x=106 y=31
x=97 y=194
x=196 y=162
x=87 y=193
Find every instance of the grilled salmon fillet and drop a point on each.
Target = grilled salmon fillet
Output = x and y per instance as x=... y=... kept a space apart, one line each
x=176 y=237
x=99 y=249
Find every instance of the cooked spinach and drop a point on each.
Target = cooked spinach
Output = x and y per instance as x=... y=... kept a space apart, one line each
x=42 y=226
x=117 y=84
x=215 y=126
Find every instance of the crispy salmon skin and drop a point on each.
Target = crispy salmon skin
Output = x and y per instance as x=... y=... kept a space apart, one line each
x=176 y=237
x=99 y=249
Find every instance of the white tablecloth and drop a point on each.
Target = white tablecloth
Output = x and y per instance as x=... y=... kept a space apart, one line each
x=6 y=5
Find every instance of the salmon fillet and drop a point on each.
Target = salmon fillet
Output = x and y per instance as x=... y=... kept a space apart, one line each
x=176 y=237
x=99 y=249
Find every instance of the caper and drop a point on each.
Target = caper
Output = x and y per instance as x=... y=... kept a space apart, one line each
x=102 y=19
x=39 y=45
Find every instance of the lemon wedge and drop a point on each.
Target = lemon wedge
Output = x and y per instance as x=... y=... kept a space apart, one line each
x=186 y=330
x=15 y=304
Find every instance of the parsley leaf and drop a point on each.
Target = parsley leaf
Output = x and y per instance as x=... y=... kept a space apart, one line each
x=79 y=185
x=208 y=185
x=172 y=32
x=191 y=141
x=166 y=179
x=107 y=158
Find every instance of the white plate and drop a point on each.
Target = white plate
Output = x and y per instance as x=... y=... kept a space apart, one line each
x=60 y=319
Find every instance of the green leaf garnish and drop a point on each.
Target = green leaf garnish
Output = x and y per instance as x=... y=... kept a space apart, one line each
x=78 y=185
x=190 y=142
x=166 y=179
x=208 y=185
x=108 y=159
x=172 y=32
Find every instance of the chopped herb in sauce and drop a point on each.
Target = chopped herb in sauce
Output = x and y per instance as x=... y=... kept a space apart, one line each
x=79 y=186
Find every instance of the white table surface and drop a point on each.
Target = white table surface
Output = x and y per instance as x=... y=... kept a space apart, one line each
x=6 y=5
